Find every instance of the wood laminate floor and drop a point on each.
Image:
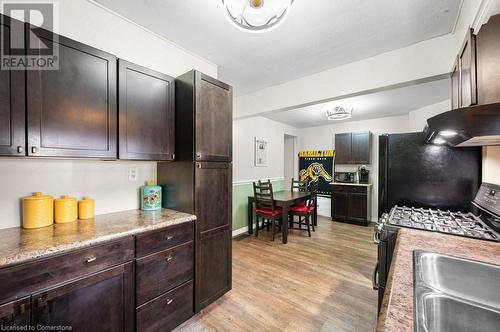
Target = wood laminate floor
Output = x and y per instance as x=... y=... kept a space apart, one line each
x=321 y=283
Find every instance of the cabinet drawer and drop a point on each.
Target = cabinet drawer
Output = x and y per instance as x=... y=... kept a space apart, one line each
x=349 y=189
x=24 y=279
x=163 y=239
x=167 y=311
x=160 y=272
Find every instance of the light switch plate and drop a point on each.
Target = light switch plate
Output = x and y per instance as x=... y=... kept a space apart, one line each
x=133 y=174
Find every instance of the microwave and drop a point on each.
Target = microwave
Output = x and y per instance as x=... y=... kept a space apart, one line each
x=345 y=177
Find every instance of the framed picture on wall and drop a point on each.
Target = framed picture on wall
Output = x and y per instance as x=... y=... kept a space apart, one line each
x=260 y=152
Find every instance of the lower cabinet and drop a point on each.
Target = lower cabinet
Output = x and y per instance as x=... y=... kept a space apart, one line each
x=213 y=266
x=351 y=203
x=100 y=302
x=15 y=313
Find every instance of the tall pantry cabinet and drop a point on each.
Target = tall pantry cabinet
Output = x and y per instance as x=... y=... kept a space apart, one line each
x=199 y=181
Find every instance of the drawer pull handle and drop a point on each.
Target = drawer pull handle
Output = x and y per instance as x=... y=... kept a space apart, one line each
x=22 y=308
x=169 y=237
x=90 y=259
x=169 y=301
x=169 y=258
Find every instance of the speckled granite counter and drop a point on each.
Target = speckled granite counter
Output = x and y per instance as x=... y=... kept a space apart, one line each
x=19 y=245
x=397 y=308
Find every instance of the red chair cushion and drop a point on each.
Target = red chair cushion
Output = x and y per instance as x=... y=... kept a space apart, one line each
x=278 y=211
x=302 y=208
x=301 y=204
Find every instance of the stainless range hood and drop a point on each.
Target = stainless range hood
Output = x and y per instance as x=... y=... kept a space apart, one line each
x=468 y=126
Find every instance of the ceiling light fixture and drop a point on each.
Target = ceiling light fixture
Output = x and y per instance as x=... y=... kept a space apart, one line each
x=339 y=113
x=448 y=133
x=256 y=15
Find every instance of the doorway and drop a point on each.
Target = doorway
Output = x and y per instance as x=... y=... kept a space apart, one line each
x=290 y=160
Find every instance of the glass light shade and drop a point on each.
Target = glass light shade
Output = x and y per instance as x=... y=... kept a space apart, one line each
x=339 y=113
x=256 y=15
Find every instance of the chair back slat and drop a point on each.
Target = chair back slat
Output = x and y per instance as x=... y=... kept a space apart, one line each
x=263 y=193
x=313 y=189
x=300 y=186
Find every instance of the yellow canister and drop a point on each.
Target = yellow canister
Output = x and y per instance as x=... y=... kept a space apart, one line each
x=86 y=208
x=38 y=211
x=65 y=209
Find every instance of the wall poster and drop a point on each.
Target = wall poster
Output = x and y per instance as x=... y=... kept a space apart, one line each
x=317 y=166
x=260 y=152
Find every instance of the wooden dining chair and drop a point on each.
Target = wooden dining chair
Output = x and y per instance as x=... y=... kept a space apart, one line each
x=297 y=185
x=265 y=208
x=305 y=212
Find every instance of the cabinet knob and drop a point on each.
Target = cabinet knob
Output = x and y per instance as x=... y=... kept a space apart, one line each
x=169 y=301
x=34 y=149
x=169 y=258
x=40 y=302
x=169 y=237
x=20 y=149
x=22 y=308
x=90 y=259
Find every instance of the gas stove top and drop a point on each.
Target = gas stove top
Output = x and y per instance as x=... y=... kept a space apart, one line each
x=458 y=223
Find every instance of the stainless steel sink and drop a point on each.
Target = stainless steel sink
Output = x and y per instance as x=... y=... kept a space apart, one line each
x=455 y=294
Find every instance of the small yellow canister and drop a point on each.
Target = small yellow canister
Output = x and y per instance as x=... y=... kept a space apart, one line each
x=65 y=209
x=38 y=211
x=86 y=208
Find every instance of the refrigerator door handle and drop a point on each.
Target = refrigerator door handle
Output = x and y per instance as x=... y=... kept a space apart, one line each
x=375 y=284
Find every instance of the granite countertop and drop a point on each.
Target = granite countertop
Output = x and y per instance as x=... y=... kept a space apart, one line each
x=19 y=245
x=396 y=313
x=357 y=184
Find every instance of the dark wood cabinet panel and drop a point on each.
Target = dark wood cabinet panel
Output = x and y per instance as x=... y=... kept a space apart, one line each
x=467 y=67
x=213 y=183
x=214 y=120
x=100 y=302
x=339 y=203
x=357 y=208
x=16 y=313
x=162 y=271
x=488 y=62
x=12 y=95
x=361 y=147
x=72 y=111
x=166 y=312
x=455 y=86
x=146 y=113
x=213 y=266
x=169 y=237
x=350 y=203
x=343 y=148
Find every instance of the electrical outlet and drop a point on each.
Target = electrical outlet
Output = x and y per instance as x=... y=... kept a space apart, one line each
x=133 y=174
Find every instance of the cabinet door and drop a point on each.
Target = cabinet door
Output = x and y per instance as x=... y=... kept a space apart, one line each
x=340 y=203
x=72 y=110
x=467 y=65
x=455 y=86
x=15 y=313
x=214 y=119
x=213 y=188
x=361 y=148
x=12 y=91
x=488 y=63
x=357 y=210
x=146 y=113
x=100 y=302
x=213 y=266
x=343 y=147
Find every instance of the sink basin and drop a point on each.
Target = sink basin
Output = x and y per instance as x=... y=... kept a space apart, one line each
x=455 y=294
x=469 y=280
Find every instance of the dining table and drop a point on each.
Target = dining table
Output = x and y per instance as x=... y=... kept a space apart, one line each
x=284 y=199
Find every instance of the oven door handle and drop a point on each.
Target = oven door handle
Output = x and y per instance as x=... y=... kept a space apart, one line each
x=375 y=284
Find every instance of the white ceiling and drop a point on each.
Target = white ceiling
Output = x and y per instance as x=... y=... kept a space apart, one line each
x=370 y=106
x=317 y=35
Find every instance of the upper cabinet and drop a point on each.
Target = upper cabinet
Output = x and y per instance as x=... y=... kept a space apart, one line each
x=353 y=148
x=467 y=71
x=488 y=62
x=146 y=113
x=72 y=111
x=12 y=109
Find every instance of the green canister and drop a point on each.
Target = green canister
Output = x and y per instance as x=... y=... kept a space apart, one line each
x=150 y=197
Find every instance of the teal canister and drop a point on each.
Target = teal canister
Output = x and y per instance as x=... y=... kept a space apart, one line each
x=150 y=197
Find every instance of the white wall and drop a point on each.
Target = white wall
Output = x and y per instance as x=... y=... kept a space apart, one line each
x=418 y=119
x=290 y=159
x=244 y=132
x=107 y=182
x=491 y=164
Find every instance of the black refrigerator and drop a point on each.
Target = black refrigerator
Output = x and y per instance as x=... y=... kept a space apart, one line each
x=415 y=174
x=199 y=181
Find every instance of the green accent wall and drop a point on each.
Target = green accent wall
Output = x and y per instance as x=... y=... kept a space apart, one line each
x=240 y=201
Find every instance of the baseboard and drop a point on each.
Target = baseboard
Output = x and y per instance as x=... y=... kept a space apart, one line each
x=240 y=231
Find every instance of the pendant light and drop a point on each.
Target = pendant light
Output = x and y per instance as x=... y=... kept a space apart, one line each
x=256 y=15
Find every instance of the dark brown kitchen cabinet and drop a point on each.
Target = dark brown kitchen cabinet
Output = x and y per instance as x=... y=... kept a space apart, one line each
x=488 y=61
x=72 y=110
x=12 y=94
x=353 y=148
x=351 y=203
x=146 y=113
x=455 y=86
x=467 y=68
x=16 y=313
x=100 y=302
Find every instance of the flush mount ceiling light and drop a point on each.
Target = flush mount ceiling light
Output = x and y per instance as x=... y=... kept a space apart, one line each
x=256 y=15
x=339 y=113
